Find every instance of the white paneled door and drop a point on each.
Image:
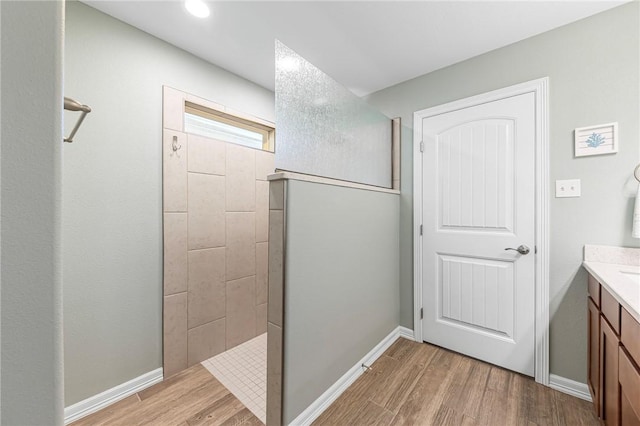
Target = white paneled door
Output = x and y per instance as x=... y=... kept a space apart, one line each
x=478 y=192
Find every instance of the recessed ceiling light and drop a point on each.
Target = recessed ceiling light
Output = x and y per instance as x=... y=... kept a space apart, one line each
x=197 y=8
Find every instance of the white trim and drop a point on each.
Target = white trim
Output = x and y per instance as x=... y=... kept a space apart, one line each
x=417 y=222
x=540 y=88
x=318 y=406
x=541 y=357
x=407 y=333
x=110 y=396
x=570 y=387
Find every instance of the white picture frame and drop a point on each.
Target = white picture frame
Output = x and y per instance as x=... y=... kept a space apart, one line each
x=596 y=140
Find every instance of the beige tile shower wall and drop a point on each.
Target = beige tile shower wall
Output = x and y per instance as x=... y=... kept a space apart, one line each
x=216 y=229
x=275 y=326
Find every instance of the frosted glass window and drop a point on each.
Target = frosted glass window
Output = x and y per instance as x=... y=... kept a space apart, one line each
x=324 y=129
x=221 y=131
x=227 y=128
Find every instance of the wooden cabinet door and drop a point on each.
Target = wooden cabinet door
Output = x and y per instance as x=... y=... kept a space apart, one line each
x=629 y=390
x=609 y=392
x=593 y=355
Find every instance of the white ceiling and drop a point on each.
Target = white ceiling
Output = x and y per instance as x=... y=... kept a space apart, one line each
x=365 y=45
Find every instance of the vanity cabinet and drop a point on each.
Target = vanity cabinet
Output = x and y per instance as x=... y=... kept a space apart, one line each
x=629 y=370
x=609 y=395
x=593 y=355
x=613 y=358
x=629 y=390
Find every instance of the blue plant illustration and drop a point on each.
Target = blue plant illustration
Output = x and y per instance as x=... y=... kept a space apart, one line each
x=595 y=140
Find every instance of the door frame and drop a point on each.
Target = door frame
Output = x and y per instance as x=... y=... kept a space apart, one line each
x=540 y=88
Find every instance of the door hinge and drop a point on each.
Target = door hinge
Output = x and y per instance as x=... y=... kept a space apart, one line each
x=535 y=249
x=420 y=229
x=421 y=313
x=421 y=146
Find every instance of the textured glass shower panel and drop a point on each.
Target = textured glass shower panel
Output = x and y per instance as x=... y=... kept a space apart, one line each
x=325 y=130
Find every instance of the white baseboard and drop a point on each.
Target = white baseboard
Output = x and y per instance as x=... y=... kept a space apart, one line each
x=319 y=405
x=108 y=397
x=407 y=333
x=571 y=387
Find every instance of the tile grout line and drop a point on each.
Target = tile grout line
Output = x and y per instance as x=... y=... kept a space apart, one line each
x=244 y=376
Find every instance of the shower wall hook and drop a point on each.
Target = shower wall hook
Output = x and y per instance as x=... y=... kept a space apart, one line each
x=174 y=144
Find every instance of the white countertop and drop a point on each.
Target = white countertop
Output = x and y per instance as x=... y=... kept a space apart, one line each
x=622 y=281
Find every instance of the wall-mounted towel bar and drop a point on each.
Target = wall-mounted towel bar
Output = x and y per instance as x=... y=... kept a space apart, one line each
x=636 y=173
x=72 y=105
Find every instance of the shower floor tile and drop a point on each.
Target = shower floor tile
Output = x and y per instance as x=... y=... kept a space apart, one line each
x=243 y=370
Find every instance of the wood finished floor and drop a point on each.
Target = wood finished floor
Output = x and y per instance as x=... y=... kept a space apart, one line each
x=410 y=384
x=420 y=384
x=191 y=397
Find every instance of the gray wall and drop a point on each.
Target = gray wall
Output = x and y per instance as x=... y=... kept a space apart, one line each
x=593 y=66
x=31 y=330
x=341 y=284
x=112 y=192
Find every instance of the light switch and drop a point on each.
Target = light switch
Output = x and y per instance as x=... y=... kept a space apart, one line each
x=568 y=188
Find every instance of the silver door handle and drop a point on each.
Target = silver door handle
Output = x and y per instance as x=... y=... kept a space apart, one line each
x=521 y=249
